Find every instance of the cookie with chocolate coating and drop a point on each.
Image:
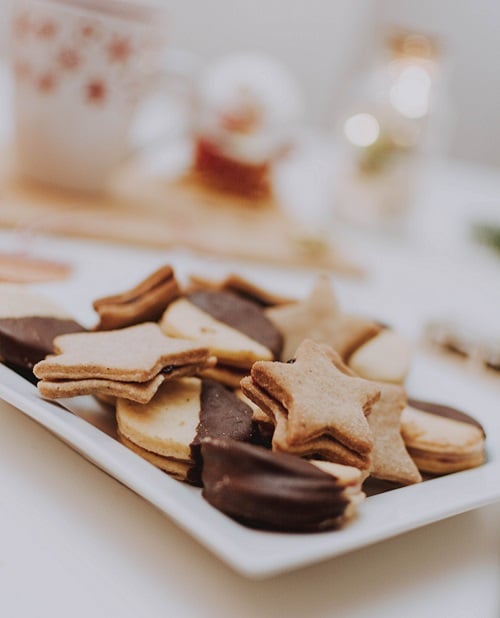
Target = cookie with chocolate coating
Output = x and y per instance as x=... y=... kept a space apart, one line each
x=169 y=429
x=235 y=330
x=29 y=322
x=277 y=491
x=243 y=315
x=442 y=439
x=241 y=286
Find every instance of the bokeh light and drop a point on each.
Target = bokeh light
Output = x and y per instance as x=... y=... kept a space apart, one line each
x=362 y=129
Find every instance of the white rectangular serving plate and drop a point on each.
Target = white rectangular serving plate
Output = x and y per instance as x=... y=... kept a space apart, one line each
x=100 y=270
x=259 y=554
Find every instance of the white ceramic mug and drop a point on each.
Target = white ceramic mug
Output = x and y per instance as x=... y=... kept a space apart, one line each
x=82 y=69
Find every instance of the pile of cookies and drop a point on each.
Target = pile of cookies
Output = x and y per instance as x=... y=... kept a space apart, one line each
x=282 y=410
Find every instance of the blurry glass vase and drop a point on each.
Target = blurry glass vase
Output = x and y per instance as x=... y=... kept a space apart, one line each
x=394 y=117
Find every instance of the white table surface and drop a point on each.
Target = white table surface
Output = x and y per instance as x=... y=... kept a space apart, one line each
x=74 y=542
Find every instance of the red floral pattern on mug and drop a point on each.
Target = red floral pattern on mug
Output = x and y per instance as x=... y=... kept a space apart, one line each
x=46 y=29
x=72 y=42
x=22 y=25
x=96 y=91
x=46 y=82
x=89 y=29
x=79 y=76
x=120 y=49
x=69 y=58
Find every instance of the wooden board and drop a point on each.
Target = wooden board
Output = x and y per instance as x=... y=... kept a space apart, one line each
x=155 y=211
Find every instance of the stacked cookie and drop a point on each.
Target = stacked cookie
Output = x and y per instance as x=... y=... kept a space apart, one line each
x=316 y=409
x=143 y=303
x=319 y=408
x=131 y=363
x=281 y=410
x=442 y=439
x=28 y=324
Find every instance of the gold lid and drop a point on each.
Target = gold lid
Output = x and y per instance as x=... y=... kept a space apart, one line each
x=411 y=44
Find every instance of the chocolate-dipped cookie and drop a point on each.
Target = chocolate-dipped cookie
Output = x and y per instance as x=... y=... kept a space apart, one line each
x=236 y=331
x=242 y=287
x=169 y=429
x=29 y=323
x=442 y=439
x=277 y=491
x=241 y=314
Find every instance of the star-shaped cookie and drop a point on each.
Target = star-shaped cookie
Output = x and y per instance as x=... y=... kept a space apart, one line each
x=320 y=318
x=320 y=400
x=273 y=414
x=136 y=353
x=390 y=459
x=130 y=363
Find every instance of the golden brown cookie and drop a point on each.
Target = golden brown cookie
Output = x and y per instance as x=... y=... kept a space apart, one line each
x=390 y=459
x=176 y=468
x=169 y=429
x=145 y=302
x=313 y=400
x=230 y=376
x=232 y=348
x=442 y=439
x=241 y=314
x=273 y=422
x=136 y=391
x=235 y=329
x=130 y=362
x=384 y=358
x=241 y=286
x=319 y=318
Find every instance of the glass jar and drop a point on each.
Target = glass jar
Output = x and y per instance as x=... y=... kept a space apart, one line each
x=395 y=115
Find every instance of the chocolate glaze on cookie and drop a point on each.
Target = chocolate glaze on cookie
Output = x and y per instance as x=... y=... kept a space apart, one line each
x=265 y=489
x=222 y=415
x=445 y=411
x=242 y=314
x=26 y=340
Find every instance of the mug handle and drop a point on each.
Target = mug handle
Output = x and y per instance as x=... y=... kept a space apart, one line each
x=168 y=114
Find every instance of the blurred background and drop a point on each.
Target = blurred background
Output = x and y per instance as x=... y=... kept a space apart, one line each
x=327 y=44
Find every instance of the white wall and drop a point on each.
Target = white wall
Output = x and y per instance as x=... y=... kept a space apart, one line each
x=4 y=5
x=320 y=40
x=325 y=41
x=470 y=31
